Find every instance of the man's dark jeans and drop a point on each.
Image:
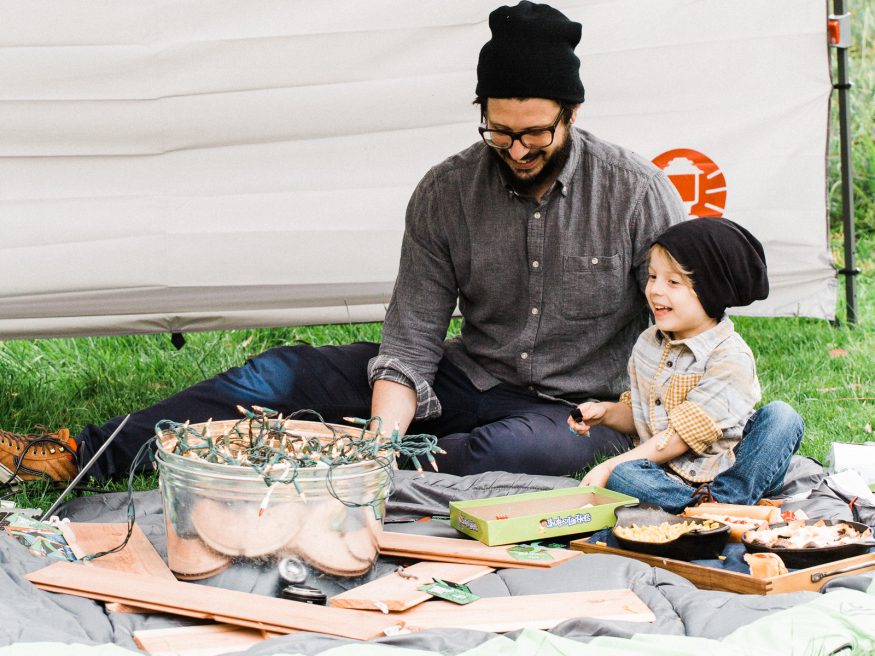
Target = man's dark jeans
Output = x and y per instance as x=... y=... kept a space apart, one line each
x=501 y=429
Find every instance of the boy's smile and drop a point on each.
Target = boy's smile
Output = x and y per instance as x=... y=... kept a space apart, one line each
x=676 y=308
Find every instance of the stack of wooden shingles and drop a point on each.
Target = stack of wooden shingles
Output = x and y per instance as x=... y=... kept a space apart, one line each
x=383 y=606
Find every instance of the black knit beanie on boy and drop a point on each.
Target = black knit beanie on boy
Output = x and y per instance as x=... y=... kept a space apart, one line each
x=530 y=55
x=727 y=263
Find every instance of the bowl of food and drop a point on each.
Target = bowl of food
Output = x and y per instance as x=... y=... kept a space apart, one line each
x=651 y=530
x=810 y=542
x=739 y=518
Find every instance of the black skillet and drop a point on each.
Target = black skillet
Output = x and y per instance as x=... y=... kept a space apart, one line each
x=695 y=545
x=812 y=556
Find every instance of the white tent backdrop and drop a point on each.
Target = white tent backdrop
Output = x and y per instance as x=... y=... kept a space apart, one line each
x=171 y=166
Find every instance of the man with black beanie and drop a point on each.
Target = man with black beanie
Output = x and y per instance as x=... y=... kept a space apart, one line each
x=538 y=232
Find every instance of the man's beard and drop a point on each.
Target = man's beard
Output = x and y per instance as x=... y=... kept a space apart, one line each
x=551 y=168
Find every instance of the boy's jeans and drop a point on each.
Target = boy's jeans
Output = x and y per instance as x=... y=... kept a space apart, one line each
x=772 y=435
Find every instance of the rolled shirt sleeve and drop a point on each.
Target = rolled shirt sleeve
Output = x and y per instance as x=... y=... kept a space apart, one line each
x=694 y=427
x=723 y=398
x=384 y=367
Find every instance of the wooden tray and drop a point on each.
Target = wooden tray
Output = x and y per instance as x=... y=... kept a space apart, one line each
x=711 y=578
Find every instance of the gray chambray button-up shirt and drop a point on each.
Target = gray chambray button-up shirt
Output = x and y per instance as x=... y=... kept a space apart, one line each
x=550 y=291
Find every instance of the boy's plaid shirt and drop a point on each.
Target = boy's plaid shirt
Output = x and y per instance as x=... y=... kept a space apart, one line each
x=703 y=389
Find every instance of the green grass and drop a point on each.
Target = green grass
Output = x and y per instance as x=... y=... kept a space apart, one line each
x=803 y=362
x=861 y=72
x=71 y=382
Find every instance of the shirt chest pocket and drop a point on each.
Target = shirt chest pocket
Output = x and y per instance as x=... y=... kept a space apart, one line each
x=591 y=285
x=678 y=388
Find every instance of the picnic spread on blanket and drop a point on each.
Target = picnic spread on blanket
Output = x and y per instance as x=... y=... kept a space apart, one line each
x=354 y=548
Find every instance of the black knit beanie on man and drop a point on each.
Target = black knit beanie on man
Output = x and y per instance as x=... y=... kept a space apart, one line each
x=530 y=55
x=727 y=263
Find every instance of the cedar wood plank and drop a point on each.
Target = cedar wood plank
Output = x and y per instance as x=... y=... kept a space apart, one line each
x=429 y=547
x=258 y=625
x=138 y=555
x=397 y=592
x=465 y=561
x=502 y=614
x=202 y=640
x=234 y=607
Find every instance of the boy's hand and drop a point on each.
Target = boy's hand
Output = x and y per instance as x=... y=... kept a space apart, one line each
x=585 y=416
x=598 y=475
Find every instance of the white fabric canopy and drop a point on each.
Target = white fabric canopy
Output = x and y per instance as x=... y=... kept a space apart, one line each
x=171 y=166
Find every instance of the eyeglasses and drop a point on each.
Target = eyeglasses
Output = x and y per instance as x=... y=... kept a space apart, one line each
x=533 y=138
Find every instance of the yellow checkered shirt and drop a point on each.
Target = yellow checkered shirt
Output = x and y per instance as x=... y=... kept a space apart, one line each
x=703 y=388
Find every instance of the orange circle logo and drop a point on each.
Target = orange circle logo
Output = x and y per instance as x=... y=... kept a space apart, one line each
x=697 y=178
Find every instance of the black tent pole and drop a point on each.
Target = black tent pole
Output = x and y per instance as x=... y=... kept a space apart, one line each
x=843 y=86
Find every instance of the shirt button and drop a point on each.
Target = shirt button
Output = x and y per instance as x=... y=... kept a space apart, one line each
x=658 y=402
x=537 y=215
x=595 y=260
x=534 y=310
x=531 y=388
x=535 y=264
x=692 y=472
x=524 y=355
x=669 y=364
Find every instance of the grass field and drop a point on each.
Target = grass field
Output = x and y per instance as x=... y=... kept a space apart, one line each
x=827 y=372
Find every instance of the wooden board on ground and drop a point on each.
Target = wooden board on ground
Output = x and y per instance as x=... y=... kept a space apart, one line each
x=502 y=614
x=428 y=547
x=711 y=578
x=138 y=556
x=399 y=590
x=229 y=606
x=464 y=561
x=202 y=640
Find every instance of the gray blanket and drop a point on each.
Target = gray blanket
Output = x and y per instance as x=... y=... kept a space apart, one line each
x=680 y=608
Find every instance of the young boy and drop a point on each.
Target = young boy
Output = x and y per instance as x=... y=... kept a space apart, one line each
x=693 y=380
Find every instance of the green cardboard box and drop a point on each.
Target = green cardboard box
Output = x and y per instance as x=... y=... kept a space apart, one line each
x=537 y=515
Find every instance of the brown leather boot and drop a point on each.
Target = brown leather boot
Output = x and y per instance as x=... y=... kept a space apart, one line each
x=29 y=457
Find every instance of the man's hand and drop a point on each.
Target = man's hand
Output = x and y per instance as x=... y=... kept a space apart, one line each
x=598 y=475
x=591 y=414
